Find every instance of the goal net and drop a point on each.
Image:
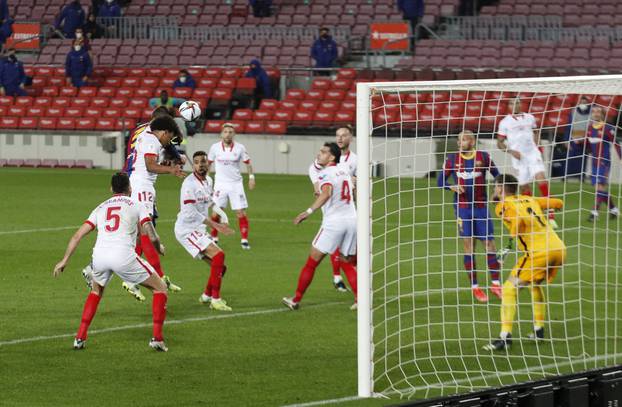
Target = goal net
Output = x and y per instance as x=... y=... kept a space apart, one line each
x=421 y=331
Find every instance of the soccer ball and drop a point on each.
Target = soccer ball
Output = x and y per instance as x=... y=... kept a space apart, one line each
x=190 y=110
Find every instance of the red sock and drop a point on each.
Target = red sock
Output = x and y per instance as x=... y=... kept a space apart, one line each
x=158 y=308
x=336 y=262
x=215 y=218
x=243 y=227
x=90 y=308
x=215 y=278
x=544 y=188
x=208 y=288
x=151 y=254
x=350 y=270
x=306 y=276
x=526 y=191
x=138 y=248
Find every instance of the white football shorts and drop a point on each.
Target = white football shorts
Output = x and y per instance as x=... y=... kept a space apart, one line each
x=232 y=192
x=337 y=235
x=528 y=166
x=195 y=242
x=146 y=195
x=126 y=264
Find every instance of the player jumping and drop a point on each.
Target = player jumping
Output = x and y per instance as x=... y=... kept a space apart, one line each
x=348 y=159
x=601 y=137
x=544 y=254
x=516 y=136
x=117 y=221
x=227 y=156
x=191 y=228
x=468 y=169
x=338 y=230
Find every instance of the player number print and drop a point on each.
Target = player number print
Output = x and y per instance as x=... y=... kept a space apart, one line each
x=345 y=191
x=112 y=218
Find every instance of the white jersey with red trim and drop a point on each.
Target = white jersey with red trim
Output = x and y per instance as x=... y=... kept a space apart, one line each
x=116 y=220
x=340 y=205
x=518 y=130
x=349 y=159
x=314 y=172
x=195 y=200
x=147 y=144
x=227 y=160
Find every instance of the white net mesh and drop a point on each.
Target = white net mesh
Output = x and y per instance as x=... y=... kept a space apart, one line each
x=427 y=329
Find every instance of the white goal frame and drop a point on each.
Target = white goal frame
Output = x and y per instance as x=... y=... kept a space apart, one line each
x=364 y=91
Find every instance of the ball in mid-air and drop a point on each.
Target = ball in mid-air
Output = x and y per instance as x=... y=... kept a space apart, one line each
x=190 y=111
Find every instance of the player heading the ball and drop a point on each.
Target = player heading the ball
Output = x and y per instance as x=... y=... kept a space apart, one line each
x=338 y=230
x=117 y=221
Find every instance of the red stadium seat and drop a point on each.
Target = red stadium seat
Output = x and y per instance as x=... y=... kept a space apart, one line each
x=315 y=94
x=112 y=113
x=48 y=163
x=9 y=122
x=112 y=82
x=87 y=92
x=138 y=103
x=213 y=126
x=66 y=123
x=246 y=85
x=329 y=106
x=295 y=94
x=207 y=82
x=66 y=163
x=227 y=82
x=203 y=94
x=62 y=102
x=344 y=117
x=95 y=112
x=24 y=101
x=124 y=123
x=156 y=72
x=50 y=91
x=309 y=105
x=167 y=82
x=16 y=111
x=6 y=100
x=243 y=114
x=132 y=113
x=275 y=127
x=321 y=83
x=348 y=105
x=68 y=91
x=221 y=97
x=48 y=123
x=139 y=72
x=122 y=72
x=341 y=84
x=38 y=82
x=182 y=93
x=283 y=115
x=106 y=124
x=288 y=105
x=33 y=111
x=126 y=92
x=255 y=127
x=74 y=112
x=85 y=123
x=269 y=104
x=346 y=73
x=55 y=111
x=144 y=93
x=212 y=72
x=132 y=82
x=302 y=118
x=79 y=102
x=42 y=101
x=262 y=114
x=150 y=82
x=57 y=81
x=100 y=102
x=323 y=119
x=335 y=94
x=15 y=162
x=231 y=72
x=28 y=123
x=106 y=92
x=119 y=102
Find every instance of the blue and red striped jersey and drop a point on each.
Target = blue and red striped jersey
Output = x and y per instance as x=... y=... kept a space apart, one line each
x=601 y=137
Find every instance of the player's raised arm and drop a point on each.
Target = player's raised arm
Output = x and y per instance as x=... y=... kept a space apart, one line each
x=325 y=192
x=84 y=230
x=549 y=203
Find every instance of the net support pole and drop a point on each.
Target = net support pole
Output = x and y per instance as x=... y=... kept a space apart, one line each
x=363 y=201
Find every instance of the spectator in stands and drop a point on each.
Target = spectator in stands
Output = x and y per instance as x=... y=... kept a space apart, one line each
x=165 y=100
x=82 y=40
x=6 y=29
x=78 y=66
x=185 y=80
x=574 y=137
x=107 y=10
x=12 y=76
x=4 y=10
x=261 y=8
x=263 y=87
x=71 y=17
x=412 y=11
x=92 y=29
x=324 y=51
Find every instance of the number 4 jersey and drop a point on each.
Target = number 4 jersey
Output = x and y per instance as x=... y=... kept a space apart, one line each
x=340 y=205
x=116 y=220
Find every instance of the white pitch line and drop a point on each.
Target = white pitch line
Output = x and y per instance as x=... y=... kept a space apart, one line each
x=169 y=322
x=324 y=402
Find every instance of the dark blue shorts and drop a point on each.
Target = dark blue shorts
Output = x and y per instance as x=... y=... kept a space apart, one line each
x=600 y=174
x=475 y=222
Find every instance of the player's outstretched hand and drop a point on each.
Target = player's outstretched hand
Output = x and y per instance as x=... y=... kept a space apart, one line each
x=302 y=216
x=251 y=183
x=177 y=171
x=161 y=249
x=223 y=228
x=59 y=268
x=458 y=189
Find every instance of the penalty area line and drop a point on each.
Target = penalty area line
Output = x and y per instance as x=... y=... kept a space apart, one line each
x=324 y=402
x=170 y=322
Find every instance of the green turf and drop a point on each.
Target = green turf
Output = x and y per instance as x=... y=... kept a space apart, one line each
x=263 y=354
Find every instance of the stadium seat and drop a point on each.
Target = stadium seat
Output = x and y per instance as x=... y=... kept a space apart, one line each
x=87 y=92
x=85 y=123
x=182 y=93
x=31 y=162
x=14 y=162
x=61 y=102
x=315 y=94
x=220 y=97
x=254 y=127
x=106 y=92
x=119 y=102
x=24 y=101
x=48 y=163
x=301 y=118
x=213 y=126
x=132 y=113
x=66 y=123
x=3 y=162
x=283 y=115
x=295 y=94
x=112 y=112
x=16 y=111
x=73 y=112
x=288 y=105
x=6 y=100
x=243 y=114
x=48 y=123
x=344 y=117
x=28 y=123
x=128 y=92
x=95 y=112
x=69 y=91
x=100 y=102
x=66 y=163
x=323 y=119
x=105 y=124
x=269 y=104
x=50 y=91
x=54 y=111
x=262 y=115
x=275 y=127
x=335 y=94
x=144 y=93
x=77 y=102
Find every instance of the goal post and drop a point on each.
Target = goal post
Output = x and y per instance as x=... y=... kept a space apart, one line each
x=420 y=331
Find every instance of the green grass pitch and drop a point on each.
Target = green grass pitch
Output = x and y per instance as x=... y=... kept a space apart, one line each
x=263 y=354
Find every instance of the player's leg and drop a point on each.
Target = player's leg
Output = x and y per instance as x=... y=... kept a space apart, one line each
x=215 y=257
x=465 y=229
x=243 y=223
x=348 y=259
x=88 y=313
x=239 y=204
x=326 y=241
x=484 y=232
x=220 y=198
x=539 y=174
x=158 y=309
x=335 y=261
x=539 y=310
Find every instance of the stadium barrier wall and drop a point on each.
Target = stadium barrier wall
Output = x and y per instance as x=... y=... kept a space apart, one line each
x=270 y=154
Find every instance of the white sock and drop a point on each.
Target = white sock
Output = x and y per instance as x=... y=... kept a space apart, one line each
x=337 y=279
